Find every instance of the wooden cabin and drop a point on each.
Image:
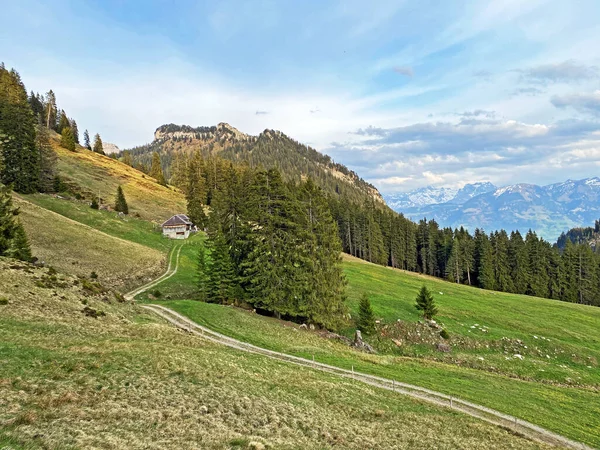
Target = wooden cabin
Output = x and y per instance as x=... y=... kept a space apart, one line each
x=178 y=227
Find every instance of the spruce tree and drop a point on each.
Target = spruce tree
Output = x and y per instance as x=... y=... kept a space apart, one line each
x=20 y=157
x=120 y=202
x=127 y=158
x=195 y=190
x=366 y=317
x=426 y=303
x=98 y=148
x=203 y=273
x=221 y=286
x=66 y=139
x=47 y=158
x=8 y=221
x=156 y=171
x=19 y=248
x=63 y=122
x=86 y=140
x=75 y=131
x=50 y=110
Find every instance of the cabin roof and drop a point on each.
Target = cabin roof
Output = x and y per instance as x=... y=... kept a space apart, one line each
x=177 y=220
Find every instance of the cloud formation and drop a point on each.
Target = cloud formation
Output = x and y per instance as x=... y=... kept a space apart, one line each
x=565 y=72
x=261 y=113
x=404 y=70
x=586 y=103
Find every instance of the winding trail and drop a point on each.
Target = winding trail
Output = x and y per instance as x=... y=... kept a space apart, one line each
x=171 y=270
x=512 y=423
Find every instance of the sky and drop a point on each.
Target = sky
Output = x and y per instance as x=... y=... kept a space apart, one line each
x=406 y=93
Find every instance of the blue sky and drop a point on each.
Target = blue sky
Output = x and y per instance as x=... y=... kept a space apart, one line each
x=407 y=93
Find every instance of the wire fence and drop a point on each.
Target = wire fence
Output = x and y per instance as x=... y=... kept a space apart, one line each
x=492 y=416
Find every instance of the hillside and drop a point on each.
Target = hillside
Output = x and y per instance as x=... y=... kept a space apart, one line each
x=91 y=174
x=125 y=379
x=270 y=149
x=548 y=210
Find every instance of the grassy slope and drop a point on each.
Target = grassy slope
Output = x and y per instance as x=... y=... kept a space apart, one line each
x=95 y=173
x=72 y=247
x=570 y=407
x=127 y=380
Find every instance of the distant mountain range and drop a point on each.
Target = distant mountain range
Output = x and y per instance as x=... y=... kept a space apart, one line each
x=548 y=210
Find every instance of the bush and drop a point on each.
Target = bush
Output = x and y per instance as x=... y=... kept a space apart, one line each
x=94 y=204
x=366 y=317
x=444 y=334
x=426 y=303
x=157 y=293
x=3 y=301
x=93 y=275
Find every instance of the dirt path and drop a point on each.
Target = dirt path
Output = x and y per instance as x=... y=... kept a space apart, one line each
x=171 y=270
x=506 y=421
x=489 y=415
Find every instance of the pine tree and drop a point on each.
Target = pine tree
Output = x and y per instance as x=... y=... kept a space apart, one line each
x=221 y=286
x=50 y=110
x=203 y=273
x=120 y=202
x=86 y=140
x=63 y=122
x=19 y=248
x=67 y=140
x=366 y=316
x=8 y=222
x=20 y=157
x=156 y=171
x=426 y=303
x=98 y=148
x=75 y=131
x=47 y=158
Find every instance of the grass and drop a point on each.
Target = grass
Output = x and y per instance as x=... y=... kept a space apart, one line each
x=96 y=174
x=560 y=392
x=129 y=228
x=72 y=247
x=127 y=380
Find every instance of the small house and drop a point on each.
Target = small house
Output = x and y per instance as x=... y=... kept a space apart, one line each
x=178 y=227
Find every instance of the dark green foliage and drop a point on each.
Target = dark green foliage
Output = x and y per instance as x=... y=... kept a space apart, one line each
x=86 y=140
x=366 y=317
x=63 y=122
x=3 y=301
x=157 y=293
x=20 y=162
x=98 y=148
x=13 y=240
x=47 y=160
x=93 y=275
x=444 y=334
x=75 y=130
x=120 y=202
x=57 y=184
x=156 y=171
x=221 y=283
x=203 y=273
x=426 y=303
x=66 y=139
x=94 y=204
x=19 y=248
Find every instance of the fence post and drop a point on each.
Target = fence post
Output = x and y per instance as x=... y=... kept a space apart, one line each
x=394 y=385
x=313 y=360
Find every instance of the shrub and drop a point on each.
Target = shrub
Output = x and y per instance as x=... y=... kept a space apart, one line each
x=444 y=334
x=425 y=303
x=93 y=275
x=3 y=301
x=157 y=293
x=366 y=317
x=94 y=204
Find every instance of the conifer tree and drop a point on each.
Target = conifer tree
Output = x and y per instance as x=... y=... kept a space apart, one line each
x=19 y=248
x=75 y=131
x=63 y=122
x=156 y=171
x=120 y=202
x=47 y=158
x=222 y=280
x=20 y=157
x=98 y=148
x=203 y=273
x=86 y=140
x=127 y=158
x=8 y=222
x=195 y=192
x=366 y=316
x=50 y=110
x=66 y=139
x=486 y=263
x=426 y=303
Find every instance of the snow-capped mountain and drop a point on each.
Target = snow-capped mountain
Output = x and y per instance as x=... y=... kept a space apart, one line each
x=548 y=210
x=420 y=197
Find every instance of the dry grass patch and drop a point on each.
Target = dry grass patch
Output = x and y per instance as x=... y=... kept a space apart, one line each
x=127 y=380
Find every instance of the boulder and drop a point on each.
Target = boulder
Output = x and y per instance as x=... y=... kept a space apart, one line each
x=360 y=344
x=443 y=347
